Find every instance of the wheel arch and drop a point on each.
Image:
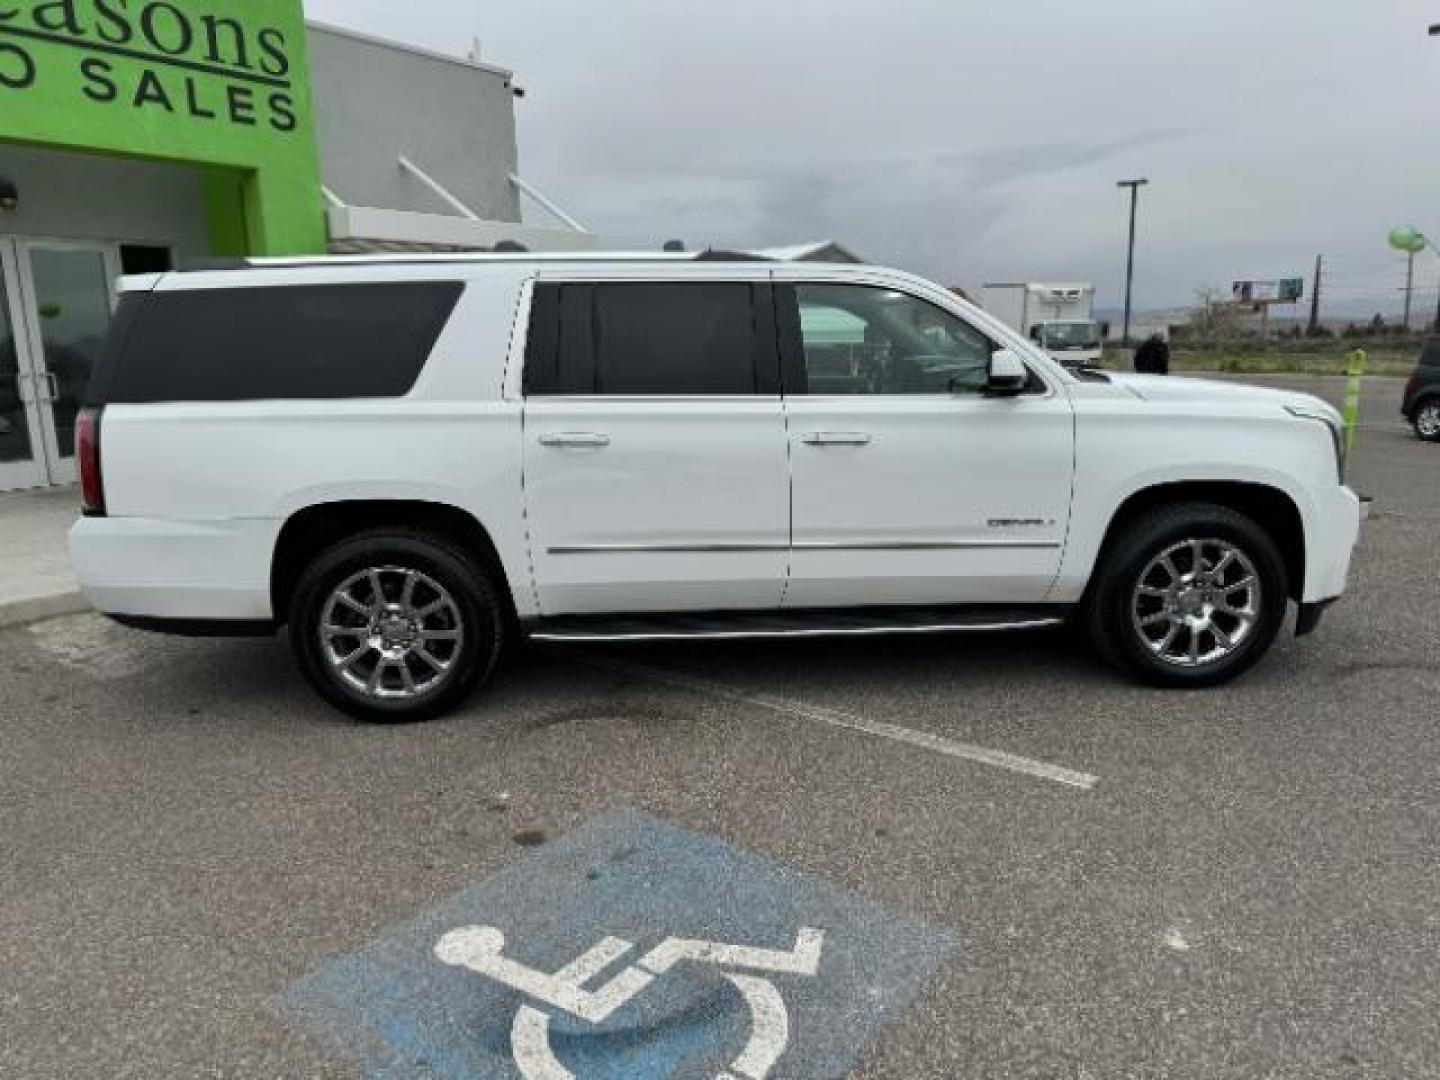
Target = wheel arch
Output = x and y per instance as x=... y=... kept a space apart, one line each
x=1421 y=398
x=1269 y=507
x=312 y=529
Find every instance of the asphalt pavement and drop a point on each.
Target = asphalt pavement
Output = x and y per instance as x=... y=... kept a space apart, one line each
x=1021 y=865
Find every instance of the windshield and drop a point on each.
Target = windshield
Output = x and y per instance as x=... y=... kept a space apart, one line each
x=1072 y=335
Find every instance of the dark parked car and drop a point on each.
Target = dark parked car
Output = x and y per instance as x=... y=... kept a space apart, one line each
x=1422 y=394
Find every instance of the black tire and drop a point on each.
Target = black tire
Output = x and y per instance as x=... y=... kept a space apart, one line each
x=1427 y=420
x=475 y=611
x=1109 y=612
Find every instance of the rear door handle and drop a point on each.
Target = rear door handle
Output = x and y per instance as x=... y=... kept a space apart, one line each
x=836 y=438
x=581 y=439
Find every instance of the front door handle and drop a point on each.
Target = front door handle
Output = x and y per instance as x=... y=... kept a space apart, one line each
x=836 y=438
x=589 y=440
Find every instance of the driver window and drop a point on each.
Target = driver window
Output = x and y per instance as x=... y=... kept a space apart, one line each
x=859 y=339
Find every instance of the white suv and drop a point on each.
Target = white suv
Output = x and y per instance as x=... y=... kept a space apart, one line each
x=414 y=461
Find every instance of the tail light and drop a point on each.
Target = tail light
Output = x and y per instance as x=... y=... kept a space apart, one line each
x=1410 y=385
x=87 y=457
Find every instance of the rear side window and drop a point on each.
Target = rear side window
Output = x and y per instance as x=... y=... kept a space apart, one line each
x=276 y=342
x=690 y=338
x=639 y=339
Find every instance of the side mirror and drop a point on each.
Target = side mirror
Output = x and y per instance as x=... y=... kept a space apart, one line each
x=1008 y=374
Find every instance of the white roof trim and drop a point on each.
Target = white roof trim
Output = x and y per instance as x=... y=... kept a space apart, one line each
x=546 y=203
x=398 y=46
x=438 y=188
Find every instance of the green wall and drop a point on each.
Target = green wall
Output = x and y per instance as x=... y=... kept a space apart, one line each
x=223 y=85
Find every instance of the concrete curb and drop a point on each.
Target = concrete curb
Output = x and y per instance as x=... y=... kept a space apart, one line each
x=37 y=608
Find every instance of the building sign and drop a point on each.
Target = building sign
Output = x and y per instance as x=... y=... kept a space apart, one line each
x=1284 y=291
x=221 y=84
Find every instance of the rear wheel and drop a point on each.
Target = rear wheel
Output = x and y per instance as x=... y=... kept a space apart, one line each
x=1427 y=420
x=394 y=626
x=1190 y=595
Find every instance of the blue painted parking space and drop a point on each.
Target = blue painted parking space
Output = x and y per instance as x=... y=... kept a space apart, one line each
x=629 y=948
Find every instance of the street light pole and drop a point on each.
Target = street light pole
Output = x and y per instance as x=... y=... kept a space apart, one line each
x=1134 y=186
x=1409 y=288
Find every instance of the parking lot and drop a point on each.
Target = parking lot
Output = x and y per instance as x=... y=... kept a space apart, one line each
x=1023 y=866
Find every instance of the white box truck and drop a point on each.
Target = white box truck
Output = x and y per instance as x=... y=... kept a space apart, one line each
x=1060 y=318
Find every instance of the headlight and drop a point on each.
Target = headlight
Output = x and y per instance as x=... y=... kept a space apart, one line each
x=1331 y=422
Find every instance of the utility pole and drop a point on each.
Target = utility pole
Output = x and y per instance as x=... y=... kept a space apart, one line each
x=1434 y=32
x=1315 y=296
x=1409 y=288
x=1437 y=318
x=1134 y=186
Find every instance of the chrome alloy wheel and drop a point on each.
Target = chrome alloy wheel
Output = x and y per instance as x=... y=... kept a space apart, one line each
x=391 y=633
x=1427 y=420
x=1197 y=602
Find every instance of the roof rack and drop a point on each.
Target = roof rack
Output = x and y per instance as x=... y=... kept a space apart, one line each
x=208 y=264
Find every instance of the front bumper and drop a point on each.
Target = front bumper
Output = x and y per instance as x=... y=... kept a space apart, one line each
x=1330 y=544
x=1309 y=619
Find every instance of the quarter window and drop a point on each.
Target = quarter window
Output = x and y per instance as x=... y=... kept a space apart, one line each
x=274 y=342
x=859 y=339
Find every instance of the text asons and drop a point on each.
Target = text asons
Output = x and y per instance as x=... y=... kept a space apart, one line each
x=152 y=57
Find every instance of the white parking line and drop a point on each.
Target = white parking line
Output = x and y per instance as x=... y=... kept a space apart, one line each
x=849 y=722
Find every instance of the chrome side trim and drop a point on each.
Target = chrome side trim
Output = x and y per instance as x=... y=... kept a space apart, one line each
x=668 y=549
x=742 y=635
x=817 y=545
x=922 y=545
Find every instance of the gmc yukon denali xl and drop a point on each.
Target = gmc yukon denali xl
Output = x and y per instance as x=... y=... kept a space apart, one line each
x=411 y=462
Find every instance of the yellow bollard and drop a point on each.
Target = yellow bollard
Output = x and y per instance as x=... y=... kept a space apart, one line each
x=1355 y=370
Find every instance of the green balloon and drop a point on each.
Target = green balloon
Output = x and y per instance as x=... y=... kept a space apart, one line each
x=1408 y=239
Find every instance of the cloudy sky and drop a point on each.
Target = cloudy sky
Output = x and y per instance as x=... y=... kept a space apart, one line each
x=975 y=141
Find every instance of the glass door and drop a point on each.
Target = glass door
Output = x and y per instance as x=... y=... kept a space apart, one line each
x=68 y=296
x=23 y=463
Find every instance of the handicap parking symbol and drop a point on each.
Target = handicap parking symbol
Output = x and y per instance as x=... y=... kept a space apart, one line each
x=479 y=948
x=630 y=948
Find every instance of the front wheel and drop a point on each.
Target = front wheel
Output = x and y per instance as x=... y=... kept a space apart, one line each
x=394 y=626
x=1189 y=596
x=1427 y=420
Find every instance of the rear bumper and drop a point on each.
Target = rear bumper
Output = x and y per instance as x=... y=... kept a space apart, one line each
x=157 y=569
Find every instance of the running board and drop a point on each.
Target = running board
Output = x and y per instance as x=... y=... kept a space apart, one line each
x=846 y=622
